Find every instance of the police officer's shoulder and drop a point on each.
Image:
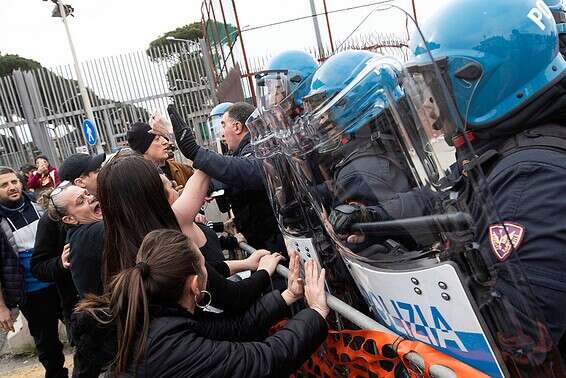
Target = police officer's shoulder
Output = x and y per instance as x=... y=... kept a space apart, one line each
x=540 y=157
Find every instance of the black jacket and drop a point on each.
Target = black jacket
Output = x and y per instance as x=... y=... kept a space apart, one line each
x=46 y=264
x=87 y=247
x=184 y=345
x=230 y=296
x=11 y=274
x=242 y=178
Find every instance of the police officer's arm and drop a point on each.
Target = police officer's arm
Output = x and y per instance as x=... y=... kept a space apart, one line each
x=244 y=172
x=241 y=172
x=415 y=203
x=535 y=214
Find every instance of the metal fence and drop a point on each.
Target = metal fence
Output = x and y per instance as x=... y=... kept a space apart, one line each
x=41 y=111
x=225 y=41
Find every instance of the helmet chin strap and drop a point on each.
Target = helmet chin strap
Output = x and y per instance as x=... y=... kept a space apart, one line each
x=459 y=140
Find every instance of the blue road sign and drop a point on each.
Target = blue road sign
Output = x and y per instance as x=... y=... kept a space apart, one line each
x=89 y=132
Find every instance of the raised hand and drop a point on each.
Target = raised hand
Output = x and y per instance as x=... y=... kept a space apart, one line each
x=160 y=125
x=66 y=256
x=315 y=293
x=295 y=288
x=183 y=134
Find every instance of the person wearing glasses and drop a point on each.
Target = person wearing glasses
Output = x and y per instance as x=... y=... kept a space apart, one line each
x=38 y=300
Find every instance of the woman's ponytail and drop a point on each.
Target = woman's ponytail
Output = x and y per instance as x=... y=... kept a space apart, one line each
x=130 y=309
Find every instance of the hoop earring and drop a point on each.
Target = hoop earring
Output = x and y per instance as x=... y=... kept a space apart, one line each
x=204 y=292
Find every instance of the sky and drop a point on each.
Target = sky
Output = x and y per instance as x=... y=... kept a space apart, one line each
x=106 y=28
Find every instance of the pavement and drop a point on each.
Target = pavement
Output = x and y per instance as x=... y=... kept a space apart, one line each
x=28 y=366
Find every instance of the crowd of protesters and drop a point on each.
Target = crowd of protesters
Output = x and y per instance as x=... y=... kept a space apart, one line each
x=117 y=250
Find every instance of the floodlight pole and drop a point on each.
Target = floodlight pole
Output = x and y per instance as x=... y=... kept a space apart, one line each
x=80 y=81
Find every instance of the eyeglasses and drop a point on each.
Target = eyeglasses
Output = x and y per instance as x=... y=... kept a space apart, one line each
x=58 y=190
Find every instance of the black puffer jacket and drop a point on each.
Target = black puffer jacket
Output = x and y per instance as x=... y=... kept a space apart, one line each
x=46 y=264
x=11 y=274
x=185 y=345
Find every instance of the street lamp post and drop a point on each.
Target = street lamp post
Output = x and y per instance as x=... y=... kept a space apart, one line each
x=80 y=81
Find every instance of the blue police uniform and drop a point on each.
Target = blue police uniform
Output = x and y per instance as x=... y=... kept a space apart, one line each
x=528 y=187
x=242 y=180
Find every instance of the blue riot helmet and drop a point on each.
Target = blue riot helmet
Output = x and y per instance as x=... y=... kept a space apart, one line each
x=334 y=74
x=347 y=93
x=287 y=73
x=479 y=70
x=215 y=118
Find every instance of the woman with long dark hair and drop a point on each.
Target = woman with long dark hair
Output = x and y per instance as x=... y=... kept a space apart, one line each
x=134 y=203
x=161 y=333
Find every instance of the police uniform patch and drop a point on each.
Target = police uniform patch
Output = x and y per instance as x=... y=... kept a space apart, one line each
x=504 y=238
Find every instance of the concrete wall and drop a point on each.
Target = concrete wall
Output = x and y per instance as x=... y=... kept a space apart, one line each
x=20 y=341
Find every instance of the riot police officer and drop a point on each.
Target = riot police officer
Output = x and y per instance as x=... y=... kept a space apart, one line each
x=495 y=76
x=241 y=173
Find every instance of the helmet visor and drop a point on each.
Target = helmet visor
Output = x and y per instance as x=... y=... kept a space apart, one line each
x=263 y=139
x=272 y=88
x=215 y=127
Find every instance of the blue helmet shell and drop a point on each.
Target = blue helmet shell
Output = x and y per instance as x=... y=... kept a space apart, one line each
x=338 y=71
x=220 y=109
x=300 y=67
x=353 y=85
x=515 y=43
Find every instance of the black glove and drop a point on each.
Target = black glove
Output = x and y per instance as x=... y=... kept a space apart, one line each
x=344 y=216
x=183 y=134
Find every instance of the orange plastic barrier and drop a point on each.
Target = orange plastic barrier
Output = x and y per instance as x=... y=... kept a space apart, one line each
x=368 y=353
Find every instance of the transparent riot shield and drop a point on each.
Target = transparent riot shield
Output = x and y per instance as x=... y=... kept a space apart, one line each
x=214 y=124
x=363 y=160
x=263 y=139
x=415 y=219
x=272 y=87
x=301 y=228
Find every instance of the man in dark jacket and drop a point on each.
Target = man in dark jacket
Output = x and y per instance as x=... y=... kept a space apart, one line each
x=37 y=300
x=239 y=175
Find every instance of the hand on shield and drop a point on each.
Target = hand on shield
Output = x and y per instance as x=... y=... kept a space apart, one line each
x=315 y=293
x=295 y=290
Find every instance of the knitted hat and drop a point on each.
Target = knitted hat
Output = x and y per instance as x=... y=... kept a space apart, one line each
x=139 y=138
